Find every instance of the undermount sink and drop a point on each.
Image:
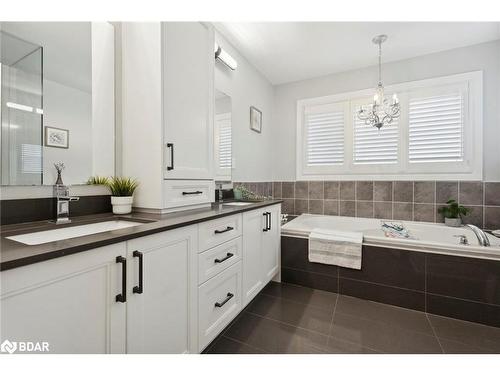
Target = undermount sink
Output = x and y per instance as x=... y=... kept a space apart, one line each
x=37 y=238
x=237 y=203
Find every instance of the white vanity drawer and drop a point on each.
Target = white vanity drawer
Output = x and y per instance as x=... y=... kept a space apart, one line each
x=215 y=232
x=217 y=259
x=219 y=301
x=180 y=193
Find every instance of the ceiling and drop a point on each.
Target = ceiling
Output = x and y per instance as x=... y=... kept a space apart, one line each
x=292 y=51
x=67 y=51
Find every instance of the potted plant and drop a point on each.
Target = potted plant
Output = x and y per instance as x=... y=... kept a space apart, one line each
x=453 y=213
x=122 y=191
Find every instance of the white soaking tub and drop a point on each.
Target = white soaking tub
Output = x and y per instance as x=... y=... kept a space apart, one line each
x=426 y=237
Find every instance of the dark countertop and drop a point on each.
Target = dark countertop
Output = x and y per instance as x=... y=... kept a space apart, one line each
x=15 y=254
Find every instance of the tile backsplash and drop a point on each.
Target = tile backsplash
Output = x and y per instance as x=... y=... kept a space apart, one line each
x=395 y=200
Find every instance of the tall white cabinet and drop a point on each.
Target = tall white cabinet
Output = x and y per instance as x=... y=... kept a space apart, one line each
x=167 y=112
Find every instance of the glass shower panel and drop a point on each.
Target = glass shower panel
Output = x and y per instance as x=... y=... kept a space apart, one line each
x=21 y=111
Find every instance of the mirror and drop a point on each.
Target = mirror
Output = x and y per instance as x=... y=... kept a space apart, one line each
x=222 y=137
x=57 y=101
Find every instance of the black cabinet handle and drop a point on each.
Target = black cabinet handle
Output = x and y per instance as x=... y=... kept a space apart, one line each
x=138 y=289
x=228 y=255
x=217 y=231
x=220 y=304
x=267 y=225
x=123 y=296
x=269 y=222
x=171 y=166
x=197 y=192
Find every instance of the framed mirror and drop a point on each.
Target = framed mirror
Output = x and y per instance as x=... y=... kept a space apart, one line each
x=57 y=101
x=223 y=137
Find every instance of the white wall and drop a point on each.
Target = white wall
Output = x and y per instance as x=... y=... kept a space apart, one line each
x=68 y=108
x=485 y=57
x=252 y=152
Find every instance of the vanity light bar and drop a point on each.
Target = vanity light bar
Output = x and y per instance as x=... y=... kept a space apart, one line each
x=25 y=108
x=225 y=57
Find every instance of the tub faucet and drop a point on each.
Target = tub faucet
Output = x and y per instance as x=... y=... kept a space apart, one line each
x=481 y=236
x=62 y=205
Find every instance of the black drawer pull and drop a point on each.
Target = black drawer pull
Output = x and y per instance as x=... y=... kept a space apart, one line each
x=123 y=296
x=220 y=304
x=267 y=222
x=171 y=166
x=138 y=289
x=217 y=231
x=228 y=255
x=197 y=192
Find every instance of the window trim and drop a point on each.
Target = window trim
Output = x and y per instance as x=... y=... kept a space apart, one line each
x=473 y=135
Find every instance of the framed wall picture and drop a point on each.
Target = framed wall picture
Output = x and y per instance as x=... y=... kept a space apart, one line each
x=55 y=137
x=255 y=119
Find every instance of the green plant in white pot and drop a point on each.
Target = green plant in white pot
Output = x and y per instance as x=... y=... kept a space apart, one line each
x=122 y=194
x=453 y=213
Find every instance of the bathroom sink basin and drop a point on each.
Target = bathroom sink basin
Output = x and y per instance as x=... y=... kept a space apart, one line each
x=37 y=238
x=237 y=203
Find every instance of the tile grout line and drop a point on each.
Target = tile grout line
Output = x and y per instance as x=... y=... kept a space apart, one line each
x=245 y=343
x=434 y=331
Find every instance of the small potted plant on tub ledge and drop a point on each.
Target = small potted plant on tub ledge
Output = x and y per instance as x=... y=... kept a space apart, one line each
x=453 y=213
x=122 y=194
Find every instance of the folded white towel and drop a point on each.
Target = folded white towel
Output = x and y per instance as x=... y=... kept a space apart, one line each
x=335 y=247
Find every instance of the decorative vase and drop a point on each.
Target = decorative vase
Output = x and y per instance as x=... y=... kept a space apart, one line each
x=122 y=205
x=453 y=222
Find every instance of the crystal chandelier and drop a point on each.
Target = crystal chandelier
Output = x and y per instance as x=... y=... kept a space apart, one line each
x=382 y=111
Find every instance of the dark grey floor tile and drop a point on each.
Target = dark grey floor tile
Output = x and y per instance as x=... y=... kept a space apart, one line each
x=275 y=337
x=225 y=345
x=467 y=333
x=396 y=316
x=310 y=279
x=296 y=314
x=382 y=337
x=456 y=347
x=335 y=346
x=301 y=294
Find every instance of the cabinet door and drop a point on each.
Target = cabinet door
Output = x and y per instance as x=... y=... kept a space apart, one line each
x=253 y=226
x=271 y=244
x=69 y=302
x=188 y=63
x=161 y=318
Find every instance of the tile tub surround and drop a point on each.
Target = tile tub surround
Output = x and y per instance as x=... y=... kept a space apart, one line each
x=453 y=286
x=394 y=200
x=287 y=318
x=14 y=211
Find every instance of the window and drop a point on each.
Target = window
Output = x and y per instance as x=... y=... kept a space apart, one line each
x=437 y=136
x=223 y=146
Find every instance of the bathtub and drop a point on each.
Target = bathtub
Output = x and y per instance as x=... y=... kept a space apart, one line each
x=427 y=237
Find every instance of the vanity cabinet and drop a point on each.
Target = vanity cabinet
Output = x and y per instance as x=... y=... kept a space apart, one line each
x=261 y=244
x=169 y=292
x=167 y=113
x=162 y=290
x=69 y=302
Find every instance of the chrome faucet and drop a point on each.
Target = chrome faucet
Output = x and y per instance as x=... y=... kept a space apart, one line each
x=221 y=192
x=481 y=236
x=61 y=193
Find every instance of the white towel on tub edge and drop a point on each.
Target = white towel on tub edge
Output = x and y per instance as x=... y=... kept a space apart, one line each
x=334 y=247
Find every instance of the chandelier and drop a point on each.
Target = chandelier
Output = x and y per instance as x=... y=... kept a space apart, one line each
x=382 y=111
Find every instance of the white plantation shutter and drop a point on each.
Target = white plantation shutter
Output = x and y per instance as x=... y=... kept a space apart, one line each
x=374 y=146
x=31 y=158
x=436 y=128
x=324 y=133
x=225 y=144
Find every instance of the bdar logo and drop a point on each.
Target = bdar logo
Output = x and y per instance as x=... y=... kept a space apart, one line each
x=8 y=347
